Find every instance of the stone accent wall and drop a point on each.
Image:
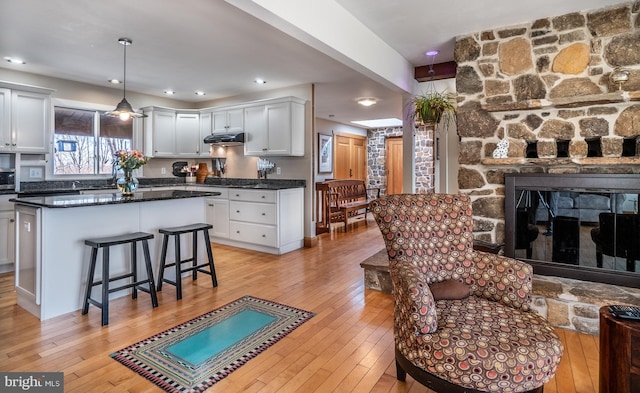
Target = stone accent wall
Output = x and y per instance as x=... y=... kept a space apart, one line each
x=541 y=83
x=376 y=158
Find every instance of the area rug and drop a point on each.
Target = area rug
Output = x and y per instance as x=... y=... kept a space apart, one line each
x=193 y=356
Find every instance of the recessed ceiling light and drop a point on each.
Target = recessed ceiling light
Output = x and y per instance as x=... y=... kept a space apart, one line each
x=200 y=93
x=13 y=60
x=367 y=101
x=260 y=81
x=170 y=92
x=379 y=123
x=114 y=81
x=432 y=52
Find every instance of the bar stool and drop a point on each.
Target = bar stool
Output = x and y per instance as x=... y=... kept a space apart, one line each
x=105 y=243
x=195 y=267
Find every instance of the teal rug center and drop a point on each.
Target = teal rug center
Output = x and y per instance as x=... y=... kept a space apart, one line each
x=219 y=337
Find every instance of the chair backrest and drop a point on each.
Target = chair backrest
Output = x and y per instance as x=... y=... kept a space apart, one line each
x=431 y=231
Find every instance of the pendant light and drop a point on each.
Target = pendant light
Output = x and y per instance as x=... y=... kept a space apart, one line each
x=124 y=110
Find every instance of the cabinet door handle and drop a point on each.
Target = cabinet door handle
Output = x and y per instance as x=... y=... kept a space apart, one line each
x=211 y=204
x=12 y=220
x=237 y=211
x=264 y=196
x=264 y=214
x=264 y=235
x=237 y=231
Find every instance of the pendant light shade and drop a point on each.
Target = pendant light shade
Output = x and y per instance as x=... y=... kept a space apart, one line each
x=124 y=110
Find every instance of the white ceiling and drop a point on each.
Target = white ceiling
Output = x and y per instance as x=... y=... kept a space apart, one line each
x=213 y=46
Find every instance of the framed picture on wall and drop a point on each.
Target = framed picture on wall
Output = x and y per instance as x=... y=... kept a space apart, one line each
x=325 y=153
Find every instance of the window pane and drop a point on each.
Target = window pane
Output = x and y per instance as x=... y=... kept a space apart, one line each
x=79 y=161
x=74 y=149
x=73 y=121
x=108 y=147
x=115 y=135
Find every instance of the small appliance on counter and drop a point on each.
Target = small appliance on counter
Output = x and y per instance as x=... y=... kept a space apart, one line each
x=7 y=179
x=177 y=168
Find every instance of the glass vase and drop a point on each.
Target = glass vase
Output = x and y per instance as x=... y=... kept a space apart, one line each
x=127 y=183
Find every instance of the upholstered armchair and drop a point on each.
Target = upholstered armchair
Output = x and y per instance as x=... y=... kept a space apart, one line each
x=462 y=321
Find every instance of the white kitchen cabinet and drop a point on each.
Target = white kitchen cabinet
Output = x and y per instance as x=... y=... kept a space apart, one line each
x=265 y=220
x=205 y=130
x=160 y=133
x=7 y=233
x=24 y=121
x=228 y=120
x=188 y=135
x=275 y=128
x=5 y=120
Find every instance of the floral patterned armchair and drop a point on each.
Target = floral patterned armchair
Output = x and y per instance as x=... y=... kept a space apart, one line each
x=479 y=334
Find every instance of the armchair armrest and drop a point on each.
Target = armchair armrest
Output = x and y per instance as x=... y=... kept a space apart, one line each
x=414 y=305
x=502 y=279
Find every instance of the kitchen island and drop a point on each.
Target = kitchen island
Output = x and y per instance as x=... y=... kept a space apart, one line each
x=52 y=260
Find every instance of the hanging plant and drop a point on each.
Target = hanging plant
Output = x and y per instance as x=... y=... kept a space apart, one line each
x=434 y=107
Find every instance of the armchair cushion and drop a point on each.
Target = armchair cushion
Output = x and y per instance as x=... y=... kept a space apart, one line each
x=449 y=290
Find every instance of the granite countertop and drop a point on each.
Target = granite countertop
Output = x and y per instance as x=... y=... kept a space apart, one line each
x=77 y=200
x=62 y=186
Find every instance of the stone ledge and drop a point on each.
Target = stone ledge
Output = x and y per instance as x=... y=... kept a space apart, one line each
x=566 y=303
x=537 y=162
x=615 y=97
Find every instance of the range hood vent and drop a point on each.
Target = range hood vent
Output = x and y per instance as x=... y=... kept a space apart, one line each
x=234 y=139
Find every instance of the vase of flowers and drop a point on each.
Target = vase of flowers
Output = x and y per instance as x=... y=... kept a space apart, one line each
x=125 y=162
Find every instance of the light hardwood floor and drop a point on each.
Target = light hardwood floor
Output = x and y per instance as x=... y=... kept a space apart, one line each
x=346 y=347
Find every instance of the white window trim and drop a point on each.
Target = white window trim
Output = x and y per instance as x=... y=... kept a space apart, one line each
x=84 y=106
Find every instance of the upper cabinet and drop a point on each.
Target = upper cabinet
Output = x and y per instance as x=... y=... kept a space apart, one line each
x=188 y=135
x=228 y=120
x=275 y=128
x=272 y=127
x=160 y=132
x=25 y=120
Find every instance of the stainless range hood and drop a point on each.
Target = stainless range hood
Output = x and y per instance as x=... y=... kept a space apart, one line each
x=231 y=139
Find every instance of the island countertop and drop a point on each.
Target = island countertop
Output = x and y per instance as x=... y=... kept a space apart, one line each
x=84 y=200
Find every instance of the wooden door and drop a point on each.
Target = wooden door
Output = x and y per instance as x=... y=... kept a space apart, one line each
x=393 y=163
x=350 y=157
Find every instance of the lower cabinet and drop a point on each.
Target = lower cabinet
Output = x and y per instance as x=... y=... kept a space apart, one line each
x=218 y=213
x=7 y=233
x=263 y=220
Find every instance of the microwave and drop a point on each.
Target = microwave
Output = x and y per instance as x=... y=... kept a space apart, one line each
x=7 y=179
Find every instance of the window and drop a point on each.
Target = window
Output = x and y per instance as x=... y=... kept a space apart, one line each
x=85 y=141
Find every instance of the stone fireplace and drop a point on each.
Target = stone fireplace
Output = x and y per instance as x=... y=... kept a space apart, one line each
x=545 y=84
x=544 y=89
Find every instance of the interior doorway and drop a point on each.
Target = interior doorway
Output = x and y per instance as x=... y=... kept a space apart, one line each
x=393 y=165
x=350 y=157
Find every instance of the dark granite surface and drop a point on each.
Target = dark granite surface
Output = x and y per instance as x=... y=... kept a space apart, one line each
x=59 y=201
x=88 y=185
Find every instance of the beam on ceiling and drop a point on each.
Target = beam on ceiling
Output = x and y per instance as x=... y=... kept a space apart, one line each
x=441 y=71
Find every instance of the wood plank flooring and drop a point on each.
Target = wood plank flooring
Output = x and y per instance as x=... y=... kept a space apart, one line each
x=346 y=347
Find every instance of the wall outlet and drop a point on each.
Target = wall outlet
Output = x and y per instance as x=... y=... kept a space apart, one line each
x=278 y=171
x=163 y=171
x=35 y=173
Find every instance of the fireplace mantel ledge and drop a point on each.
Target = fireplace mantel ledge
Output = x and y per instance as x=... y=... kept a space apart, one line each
x=552 y=161
x=615 y=97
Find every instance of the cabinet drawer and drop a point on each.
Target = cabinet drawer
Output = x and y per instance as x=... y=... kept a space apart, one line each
x=265 y=235
x=268 y=196
x=262 y=213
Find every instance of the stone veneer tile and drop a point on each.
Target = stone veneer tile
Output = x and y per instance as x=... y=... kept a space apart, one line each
x=558 y=314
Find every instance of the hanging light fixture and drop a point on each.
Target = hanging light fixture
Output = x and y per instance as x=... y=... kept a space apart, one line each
x=124 y=110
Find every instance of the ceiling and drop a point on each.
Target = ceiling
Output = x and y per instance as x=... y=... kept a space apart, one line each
x=211 y=45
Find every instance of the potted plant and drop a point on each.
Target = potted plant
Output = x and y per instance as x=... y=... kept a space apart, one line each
x=433 y=107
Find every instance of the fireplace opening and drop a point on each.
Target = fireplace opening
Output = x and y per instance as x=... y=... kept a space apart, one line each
x=581 y=226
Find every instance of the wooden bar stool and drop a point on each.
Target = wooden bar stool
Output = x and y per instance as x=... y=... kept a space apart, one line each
x=104 y=243
x=195 y=267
